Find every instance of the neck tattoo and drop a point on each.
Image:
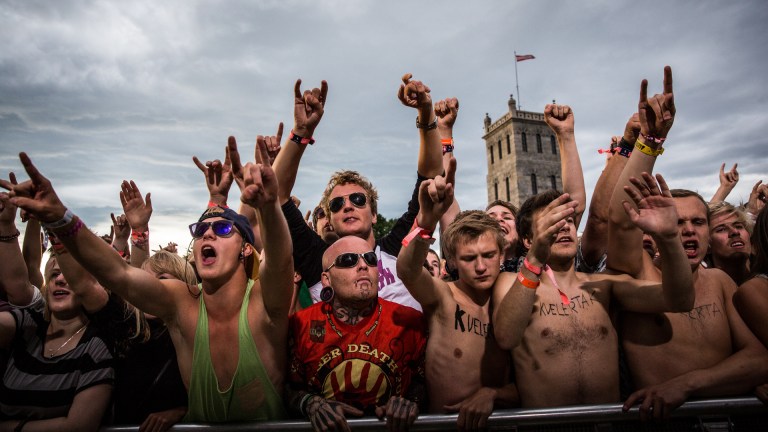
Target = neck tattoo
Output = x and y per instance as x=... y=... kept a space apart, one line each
x=367 y=332
x=52 y=352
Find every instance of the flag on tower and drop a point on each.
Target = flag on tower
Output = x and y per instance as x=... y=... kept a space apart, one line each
x=524 y=57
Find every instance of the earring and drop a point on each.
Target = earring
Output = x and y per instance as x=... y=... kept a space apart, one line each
x=326 y=294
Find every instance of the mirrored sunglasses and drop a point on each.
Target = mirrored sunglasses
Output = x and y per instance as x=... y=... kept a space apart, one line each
x=350 y=259
x=222 y=228
x=358 y=199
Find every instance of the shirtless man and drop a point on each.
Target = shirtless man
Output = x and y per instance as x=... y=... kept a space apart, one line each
x=504 y=212
x=219 y=386
x=558 y=324
x=729 y=240
x=722 y=357
x=466 y=370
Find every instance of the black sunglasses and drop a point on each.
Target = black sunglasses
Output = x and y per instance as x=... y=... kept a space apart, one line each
x=319 y=213
x=222 y=228
x=358 y=199
x=350 y=259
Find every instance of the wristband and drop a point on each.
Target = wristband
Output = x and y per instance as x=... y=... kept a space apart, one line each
x=13 y=236
x=447 y=148
x=119 y=252
x=446 y=141
x=67 y=218
x=527 y=282
x=652 y=139
x=624 y=148
x=647 y=150
x=532 y=268
x=213 y=204
x=72 y=231
x=416 y=230
x=300 y=140
x=426 y=126
x=304 y=402
x=139 y=238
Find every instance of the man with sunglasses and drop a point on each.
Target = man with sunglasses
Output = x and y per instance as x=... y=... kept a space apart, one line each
x=350 y=200
x=226 y=310
x=355 y=353
x=458 y=312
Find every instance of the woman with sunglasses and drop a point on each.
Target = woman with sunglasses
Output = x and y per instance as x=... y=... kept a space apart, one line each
x=232 y=310
x=59 y=374
x=355 y=353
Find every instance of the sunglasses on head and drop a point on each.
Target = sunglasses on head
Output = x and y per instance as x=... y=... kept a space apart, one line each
x=222 y=228
x=350 y=259
x=358 y=199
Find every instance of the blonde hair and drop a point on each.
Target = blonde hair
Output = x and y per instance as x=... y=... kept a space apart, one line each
x=350 y=177
x=467 y=226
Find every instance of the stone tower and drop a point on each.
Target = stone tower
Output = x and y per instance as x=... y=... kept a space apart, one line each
x=523 y=156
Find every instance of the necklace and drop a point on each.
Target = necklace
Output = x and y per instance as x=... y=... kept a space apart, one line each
x=367 y=332
x=52 y=354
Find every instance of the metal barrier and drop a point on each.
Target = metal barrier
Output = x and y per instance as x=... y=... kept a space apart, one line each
x=705 y=415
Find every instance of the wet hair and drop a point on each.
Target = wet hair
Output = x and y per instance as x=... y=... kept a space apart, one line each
x=685 y=193
x=506 y=204
x=340 y=178
x=524 y=222
x=725 y=208
x=759 y=241
x=467 y=226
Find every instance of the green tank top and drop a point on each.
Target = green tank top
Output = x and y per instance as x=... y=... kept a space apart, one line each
x=251 y=397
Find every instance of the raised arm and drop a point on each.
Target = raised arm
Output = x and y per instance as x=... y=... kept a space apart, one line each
x=121 y=233
x=656 y=215
x=416 y=94
x=138 y=287
x=260 y=191
x=656 y=115
x=512 y=300
x=594 y=241
x=308 y=109
x=447 y=110
x=137 y=212
x=560 y=120
x=14 y=280
x=435 y=197
x=728 y=181
x=32 y=250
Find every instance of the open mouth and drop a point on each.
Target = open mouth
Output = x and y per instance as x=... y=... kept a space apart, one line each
x=737 y=244
x=564 y=240
x=691 y=248
x=209 y=254
x=60 y=294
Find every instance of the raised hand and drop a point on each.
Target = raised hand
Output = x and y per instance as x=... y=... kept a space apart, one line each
x=657 y=113
x=551 y=220
x=415 y=94
x=632 y=129
x=399 y=412
x=757 y=198
x=121 y=228
x=559 y=118
x=308 y=108
x=446 y=110
x=729 y=179
x=436 y=197
x=260 y=183
x=656 y=213
x=218 y=176
x=273 y=144
x=7 y=209
x=35 y=195
x=137 y=210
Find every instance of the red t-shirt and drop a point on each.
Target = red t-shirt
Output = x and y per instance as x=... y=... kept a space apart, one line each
x=361 y=365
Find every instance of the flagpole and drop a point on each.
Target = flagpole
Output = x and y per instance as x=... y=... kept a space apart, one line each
x=519 y=103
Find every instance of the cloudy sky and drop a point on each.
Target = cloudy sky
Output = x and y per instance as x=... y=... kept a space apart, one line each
x=101 y=91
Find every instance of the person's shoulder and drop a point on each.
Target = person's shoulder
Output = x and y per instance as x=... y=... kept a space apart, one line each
x=755 y=285
x=716 y=275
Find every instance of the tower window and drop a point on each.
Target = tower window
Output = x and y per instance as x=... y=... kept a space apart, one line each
x=534 y=186
x=490 y=150
x=524 y=141
x=553 y=143
x=509 y=145
x=499 y=149
x=496 y=190
x=538 y=143
x=506 y=180
x=553 y=181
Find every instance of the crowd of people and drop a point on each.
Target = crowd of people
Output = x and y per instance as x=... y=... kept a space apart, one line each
x=275 y=315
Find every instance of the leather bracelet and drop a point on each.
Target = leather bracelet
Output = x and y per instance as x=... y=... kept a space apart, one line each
x=426 y=126
x=8 y=238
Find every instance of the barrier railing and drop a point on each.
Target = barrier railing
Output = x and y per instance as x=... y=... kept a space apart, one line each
x=709 y=414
